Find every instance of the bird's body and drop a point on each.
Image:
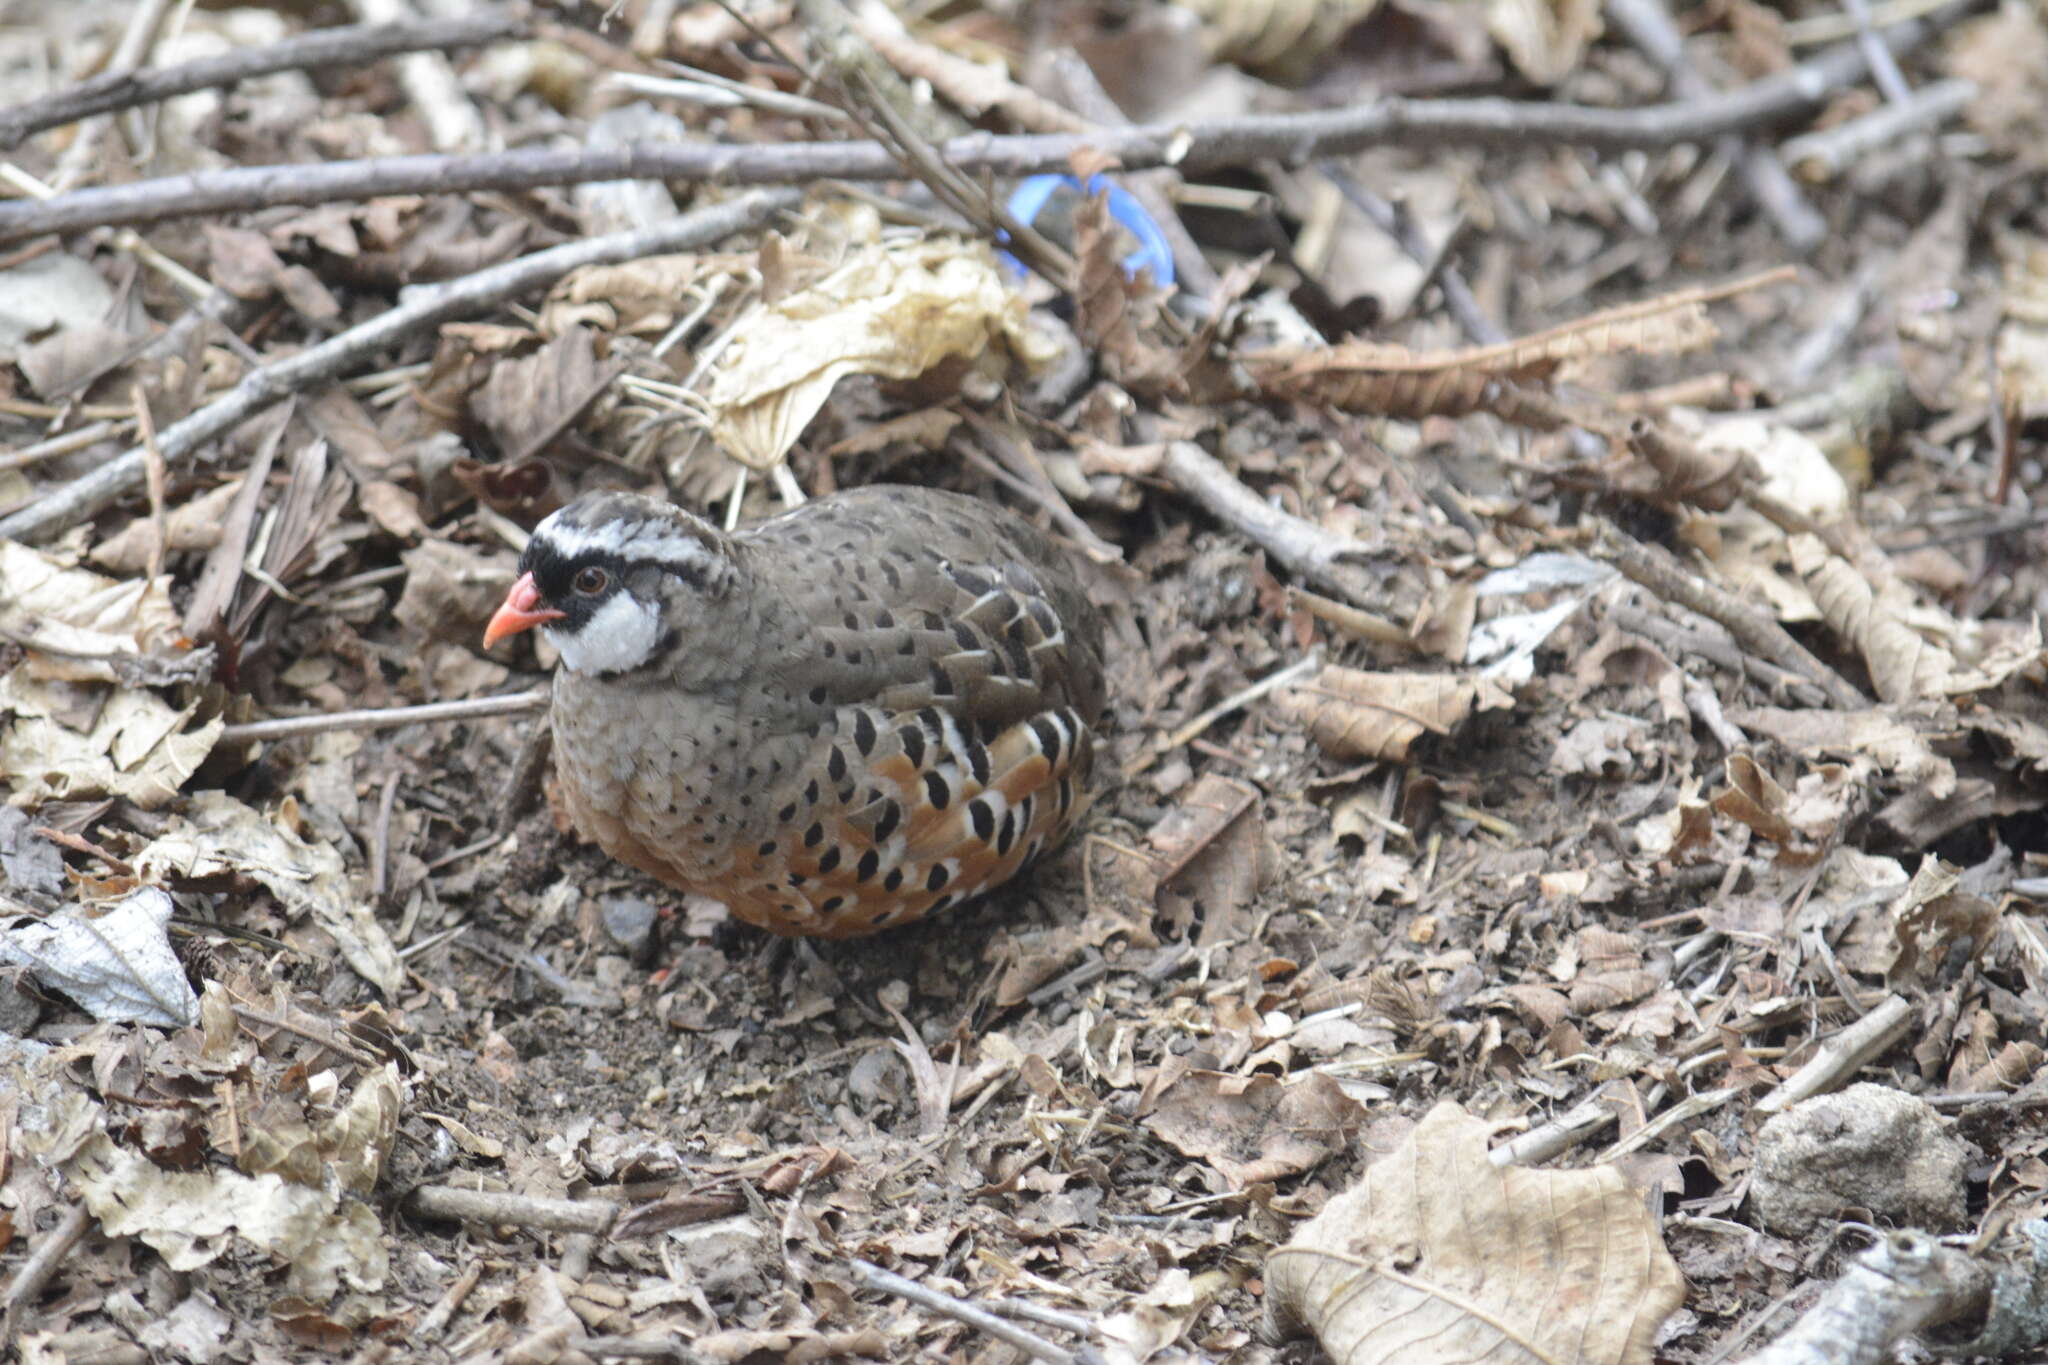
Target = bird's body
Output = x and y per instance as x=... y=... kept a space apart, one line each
x=839 y=720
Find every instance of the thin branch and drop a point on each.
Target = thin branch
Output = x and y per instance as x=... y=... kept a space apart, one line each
x=1330 y=561
x=1654 y=568
x=357 y=45
x=1291 y=138
x=385 y=717
x=532 y=1213
x=1400 y=226
x=1825 y=154
x=872 y=1276
x=145 y=21
x=1649 y=26
x=41 y=1264
x=83 y=497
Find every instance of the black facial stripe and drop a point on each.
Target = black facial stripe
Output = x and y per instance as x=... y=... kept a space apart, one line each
x=554 y=574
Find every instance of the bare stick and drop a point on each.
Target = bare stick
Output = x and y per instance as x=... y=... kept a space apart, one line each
x=1842 y=1055
x=1037 y=1347
x=1648 y=25
x=1905 y=1284
x=1291 y=138
x=42 y=1263
x=1656 y=570
x=143 y=25
x=83 y=497
x=1824 y=154
x=1324 y=558
x=354 y=46
x=386 y=717
x=530 y=1212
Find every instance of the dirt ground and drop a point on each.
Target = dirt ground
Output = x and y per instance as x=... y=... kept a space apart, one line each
x=1575 y=687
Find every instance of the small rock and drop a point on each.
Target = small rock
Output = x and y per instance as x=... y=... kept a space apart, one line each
x=724 y=1255
x=630 y=922
x=1868 y=1148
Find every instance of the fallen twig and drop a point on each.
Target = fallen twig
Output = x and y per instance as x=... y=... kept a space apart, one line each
x=1825 y=154
x=872 y=1276
x=530 y=1212
x=27 y=1285
x=1328 y=560
x=356 y=45
x=1842 y=1054
x=1655 y=569
x=1218 y=142
x=385 y=717
x=145 y=22
x=1649 y=26
x=1904 y=1284
x=74 y=502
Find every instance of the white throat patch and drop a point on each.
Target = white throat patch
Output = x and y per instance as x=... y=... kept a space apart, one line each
x=619 y=637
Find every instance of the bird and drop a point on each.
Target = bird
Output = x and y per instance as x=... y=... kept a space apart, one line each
x=870 y=708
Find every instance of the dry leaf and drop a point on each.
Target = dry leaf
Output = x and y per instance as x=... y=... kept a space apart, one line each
x=1281 y=37
x=69 y=741
x=81 y=616
x=193 y=525
x=1391 y=380
x=530 y=401
x=1160 y=1316
x=1931 y=916
x=892 y=310
x=116 y=963
x=191 y=1218
x=396 y=510
x=1114 y=315
x=221 y=835
x=1354 y=714
x=1255 y=1128
x=1439 y=1257
x=1903 y=664
x=1544 y=38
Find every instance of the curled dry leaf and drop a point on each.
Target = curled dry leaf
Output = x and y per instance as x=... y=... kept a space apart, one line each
x=1354 y=714
x=116 y=963
x=1790 y=468
x=194 y=525
x=65 y=741
x=1255 y=1128
x=1278 y=36
x=640 y=297
x=1931 y=916
x=1686 y=471
x=893 y=310
x=353 y=1141
x=1904 y=665
x=220 y=835
x=79 y=619
x=1799 y=821
x=525 y=492
x=1544 y=38
x=1438 y=1255
x=191 y=1218
x=1115 y=315
x=1505 y=379
x=1161 y=1315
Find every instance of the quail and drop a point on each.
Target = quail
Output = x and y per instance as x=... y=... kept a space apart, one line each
x=842 y=719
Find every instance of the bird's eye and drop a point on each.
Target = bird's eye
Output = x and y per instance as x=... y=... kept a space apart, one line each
x=591 y=581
